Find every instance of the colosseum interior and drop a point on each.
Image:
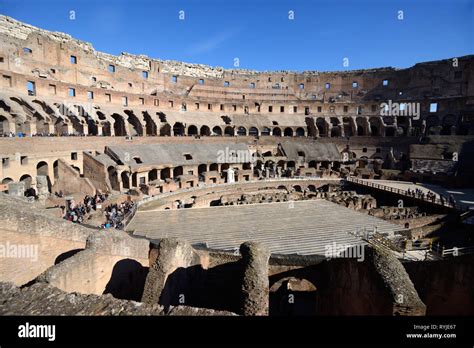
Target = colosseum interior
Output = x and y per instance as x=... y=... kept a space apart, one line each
x=154 y=187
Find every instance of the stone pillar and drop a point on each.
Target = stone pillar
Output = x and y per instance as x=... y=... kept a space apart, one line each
x=32 y=127
x=255 y=287
x=42 y=188
x=99 y=129
x=85 y=128
x=12 y=127
x=70 y=128
x=341 y=125
x=166 y=257
x=51 y=129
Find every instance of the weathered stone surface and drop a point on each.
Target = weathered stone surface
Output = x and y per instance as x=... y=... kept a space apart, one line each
x=255 y=287
x=171 y=254
x=43 y=299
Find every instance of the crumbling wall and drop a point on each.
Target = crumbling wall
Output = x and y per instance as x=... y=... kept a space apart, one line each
x=113 y=262
x=96 y=172
x=70 y=181
x=445 y=286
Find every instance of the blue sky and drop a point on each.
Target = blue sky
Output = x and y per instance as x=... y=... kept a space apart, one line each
x=259 y=32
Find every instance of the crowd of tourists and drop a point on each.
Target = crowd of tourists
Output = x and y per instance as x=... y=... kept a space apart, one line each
x=116 y=213
x=430 y=196
x=76 y=212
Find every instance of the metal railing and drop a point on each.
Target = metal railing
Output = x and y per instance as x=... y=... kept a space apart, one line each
x=437 y=201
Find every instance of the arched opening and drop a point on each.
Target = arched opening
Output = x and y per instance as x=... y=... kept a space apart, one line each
x=113 y=178
x=214 y=167
x=241 y=131
x=42 y=168
x=312 y=164
x=165 y=130
x=277 y=132
x=178 y=129
x=322 y=126
x=291 y=164
x=177 y=171
x=299 y=132
x=311 y=188
x=265 y=131
x=153 y=175
x=390 y=131
x=137 y=128
x=106 y=129
x=119 y=125
x=253 y=132
x=5 y=126
x=6 y=181
x=27 y=180
x=432 y=125
x=297 y=188
x=348 y=126
x=192 y=130
x=165 y=173
x=375 y=126
x=229 y=131
x=125 y=176
x=150 y=125
x=288 y=132
x=202 y=168
x=205 y=131
x=217 y=131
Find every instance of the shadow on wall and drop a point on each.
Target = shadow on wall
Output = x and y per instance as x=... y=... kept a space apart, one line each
x=127 y=280
x=216 y=288
x=66 y=255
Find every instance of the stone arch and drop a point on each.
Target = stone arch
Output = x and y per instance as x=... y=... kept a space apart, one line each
x=177 y=171
x=153 y=175
x=27 y=180
x=113 y=178
x=297 y=188
x=229 y=131
x=288 y=132
x=349 y=126
x=165 y=173
x=205 y=131
x=165 y=130
x=178 y=129
x=311 y=188
x=214 y=167
x=6 y=181
x=125 y=177
x=192 y=130
x=362 y=126
x=42 y=168
x=375 y=126
x=202 y=168
x=277 y=132
x=119 y=125
x=253 y=131
x=150 y=125
x=312 y=164
x=300 y=132
x=322 y=126
x=241 y=131
x=266 y=131
x=217 y=131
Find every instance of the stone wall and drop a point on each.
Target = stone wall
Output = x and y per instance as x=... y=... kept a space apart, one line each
x=70 y=181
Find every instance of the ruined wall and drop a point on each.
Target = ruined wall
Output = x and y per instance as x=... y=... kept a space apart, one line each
x=70 y=181
x=112 y=262
x=445 y=286
x=96 y=173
